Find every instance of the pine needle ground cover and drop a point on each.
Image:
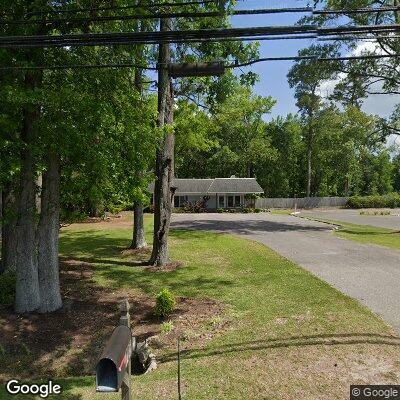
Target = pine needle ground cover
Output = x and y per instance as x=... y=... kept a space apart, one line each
x=253 y=324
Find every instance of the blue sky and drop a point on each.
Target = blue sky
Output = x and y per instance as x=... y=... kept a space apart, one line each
x=273 y=75
x=273 y=79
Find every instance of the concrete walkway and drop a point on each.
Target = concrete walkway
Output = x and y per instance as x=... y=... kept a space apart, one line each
x=368 y=273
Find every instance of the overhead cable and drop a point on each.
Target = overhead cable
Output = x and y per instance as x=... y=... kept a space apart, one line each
x=315 y=58
x=194 y=14
x=235 y=65
x=349 y=11
x=128 y=38
x=139 y=16
x=116 y=8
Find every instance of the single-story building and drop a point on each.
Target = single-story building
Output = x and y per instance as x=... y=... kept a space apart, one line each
x=218 y=192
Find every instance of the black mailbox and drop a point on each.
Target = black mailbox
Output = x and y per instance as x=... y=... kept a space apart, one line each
x=112 y=365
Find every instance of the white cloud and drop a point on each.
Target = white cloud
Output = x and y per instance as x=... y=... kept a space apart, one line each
x=376 y=104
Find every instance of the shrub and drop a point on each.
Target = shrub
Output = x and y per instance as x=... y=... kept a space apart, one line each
x=196 y=207
x=165 y=303
x=167 y=327
x=71 y=217
x=7 y=288
x=376 y=201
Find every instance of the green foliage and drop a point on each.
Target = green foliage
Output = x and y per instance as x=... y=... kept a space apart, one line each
x=165 y=303
x=348 y=159
x=7 y=288
x=235 y=137
x=167 y=327
x=396 y=173
x=386 y=201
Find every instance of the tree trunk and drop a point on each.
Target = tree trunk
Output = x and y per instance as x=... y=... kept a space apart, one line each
x=9 y=231
x=310 y=148
x=138 y=240
x=309 y=169
x=2 y=267
x=165 y=158
x=27 y=282
x=48 y=234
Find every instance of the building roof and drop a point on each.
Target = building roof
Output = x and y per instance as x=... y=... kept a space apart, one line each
x=235 y=185
x=214 y=186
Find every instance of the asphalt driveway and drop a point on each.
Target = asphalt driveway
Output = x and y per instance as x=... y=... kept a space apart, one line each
x=354 y=217
x=368 y=273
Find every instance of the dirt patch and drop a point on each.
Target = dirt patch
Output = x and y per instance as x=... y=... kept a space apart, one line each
x=195 y=322
x=122 y=220
x=69 y=341
x=169 y=267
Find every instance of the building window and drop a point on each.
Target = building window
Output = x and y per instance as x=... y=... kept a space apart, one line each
x=230 y=201
x=237 y=201
x=221 y=201
x=179 y=201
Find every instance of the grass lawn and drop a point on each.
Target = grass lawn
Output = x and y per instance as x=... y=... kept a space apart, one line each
x=367 y=234
x=281 y=211
x=277 y=333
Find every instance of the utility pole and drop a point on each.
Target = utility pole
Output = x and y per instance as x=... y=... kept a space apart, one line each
x=165 y=155
x=138 y=238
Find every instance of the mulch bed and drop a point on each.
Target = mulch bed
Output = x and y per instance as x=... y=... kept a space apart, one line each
x=69 y=341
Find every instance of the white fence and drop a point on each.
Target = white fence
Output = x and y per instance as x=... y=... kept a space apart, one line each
x=305 y=202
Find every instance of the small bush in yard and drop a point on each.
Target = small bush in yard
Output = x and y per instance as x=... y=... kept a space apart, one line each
x=165 y=303
x=7 y=288
x=391 y=200
x=167 y=327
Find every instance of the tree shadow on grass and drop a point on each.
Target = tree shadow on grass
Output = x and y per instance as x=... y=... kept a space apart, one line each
x=99 y=248
x=147 y=280
x=104 y=261
x=344 y=339
x=91 y=243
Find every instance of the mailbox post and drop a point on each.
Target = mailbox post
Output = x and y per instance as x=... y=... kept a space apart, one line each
x=113 y=370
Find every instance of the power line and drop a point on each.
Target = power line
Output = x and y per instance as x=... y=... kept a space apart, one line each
x=186 y=14
x=251 y=39
x=143 y=37
x=373 y=38
x=315 y=58
x=114 y=8
x=196 y=14
x=129 y=38
x=78 y=66
x=366 y=10
x=155 y=68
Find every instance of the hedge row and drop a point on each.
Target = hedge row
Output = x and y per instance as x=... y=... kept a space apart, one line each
x=386 y=201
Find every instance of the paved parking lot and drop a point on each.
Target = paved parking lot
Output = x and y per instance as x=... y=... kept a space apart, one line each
x=368 y=273
x=354 y=217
